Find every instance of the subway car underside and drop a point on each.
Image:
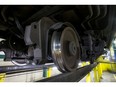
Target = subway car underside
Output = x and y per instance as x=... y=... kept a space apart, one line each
x=64 y=35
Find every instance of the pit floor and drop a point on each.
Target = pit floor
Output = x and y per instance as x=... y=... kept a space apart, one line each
x=106 y=77
x=36 y=75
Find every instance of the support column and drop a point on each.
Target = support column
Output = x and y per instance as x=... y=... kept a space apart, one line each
x=99 y=72
x=45 y=72
x=95 y=74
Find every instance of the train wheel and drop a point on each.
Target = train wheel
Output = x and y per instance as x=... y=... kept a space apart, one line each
x=65 y=49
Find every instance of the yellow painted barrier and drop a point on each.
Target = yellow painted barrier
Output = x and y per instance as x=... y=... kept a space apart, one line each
x=2 y=77
x=49 y=72
x=104 y=65
x=96 y=79
x=88 y=77
x=84 y=64
x=99 y=71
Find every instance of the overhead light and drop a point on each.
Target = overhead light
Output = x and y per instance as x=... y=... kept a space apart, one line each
x=1 y=39
x=114 y=41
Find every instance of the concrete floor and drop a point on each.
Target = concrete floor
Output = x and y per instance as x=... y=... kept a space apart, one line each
x=29 y=76
x=26 y=76
x=5 y=63
x=37 y=75
x=108 y=77
x=92 y=77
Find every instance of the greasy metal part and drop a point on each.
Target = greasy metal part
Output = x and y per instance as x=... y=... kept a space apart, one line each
x=19 y=26
x=93 y=21
x=36 y=35
x=87 y=17
x=66 y=55
x=103 y=13
x=18 y=69
x=74 y=76
x=44 y=24
x=96 y=13
x=3 y=13
x=56 y=51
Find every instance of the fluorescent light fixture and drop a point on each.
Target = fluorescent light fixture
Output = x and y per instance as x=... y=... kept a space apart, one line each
x=114 y=41
x=1 y=39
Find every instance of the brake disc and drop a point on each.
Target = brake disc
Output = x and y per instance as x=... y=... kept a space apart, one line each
x=65 y=49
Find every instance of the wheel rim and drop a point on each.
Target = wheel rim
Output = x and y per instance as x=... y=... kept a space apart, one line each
x=65 y=49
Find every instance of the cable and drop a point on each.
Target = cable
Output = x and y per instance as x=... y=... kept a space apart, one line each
x=19 y=25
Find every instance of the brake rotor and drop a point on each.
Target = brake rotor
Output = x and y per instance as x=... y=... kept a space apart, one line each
x=65 y=49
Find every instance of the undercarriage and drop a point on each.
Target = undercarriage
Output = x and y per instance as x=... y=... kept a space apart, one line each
x=64 y=35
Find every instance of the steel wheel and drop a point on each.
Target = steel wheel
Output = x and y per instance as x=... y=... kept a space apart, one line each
x=65 y=49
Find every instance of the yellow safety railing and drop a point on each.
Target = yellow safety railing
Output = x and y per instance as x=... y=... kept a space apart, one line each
x=103 y=65
x=2 y=77
x=97 y=73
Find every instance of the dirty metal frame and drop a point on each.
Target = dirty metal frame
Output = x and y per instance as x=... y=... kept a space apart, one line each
x=46 y=11
x=74 y=76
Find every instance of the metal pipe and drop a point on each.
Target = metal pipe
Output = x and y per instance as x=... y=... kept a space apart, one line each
x=18 y=69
